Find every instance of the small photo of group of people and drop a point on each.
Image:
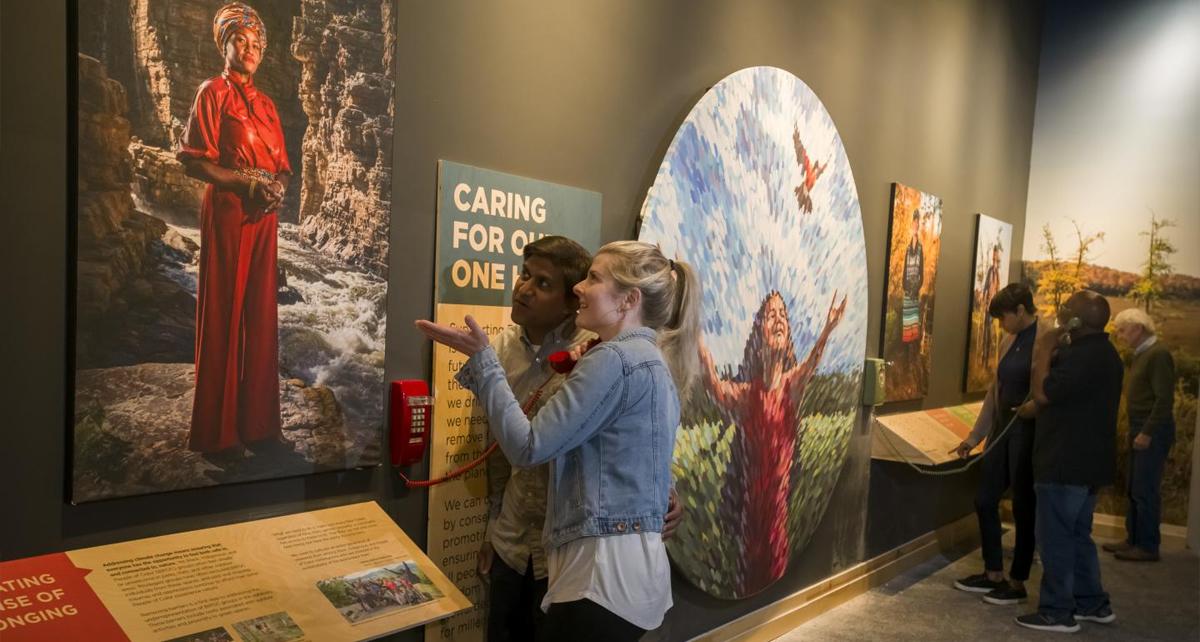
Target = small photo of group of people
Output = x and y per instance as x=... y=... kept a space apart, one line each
x=379 y=591
x=218 y=634
x=276 y=627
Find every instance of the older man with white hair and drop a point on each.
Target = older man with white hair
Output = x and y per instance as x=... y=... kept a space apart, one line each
x=1150 y=405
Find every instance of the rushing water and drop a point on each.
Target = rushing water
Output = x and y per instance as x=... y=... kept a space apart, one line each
x=334 y=336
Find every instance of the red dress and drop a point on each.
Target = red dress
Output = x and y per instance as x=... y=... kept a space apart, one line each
x=759 y=483
x=235 y=126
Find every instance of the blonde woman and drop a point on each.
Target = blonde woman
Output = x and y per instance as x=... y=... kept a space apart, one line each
x=609 y=433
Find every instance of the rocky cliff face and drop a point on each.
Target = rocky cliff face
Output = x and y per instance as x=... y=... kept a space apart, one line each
x=345 y=49
x=128 y=309
x=104 y=34
x=113 y=238
x=159 y=180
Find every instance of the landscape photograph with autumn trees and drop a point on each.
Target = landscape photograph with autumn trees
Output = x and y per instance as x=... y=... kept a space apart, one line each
x=1068 y=264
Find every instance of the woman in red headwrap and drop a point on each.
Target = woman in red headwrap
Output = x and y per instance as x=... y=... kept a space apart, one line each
x=234 y=142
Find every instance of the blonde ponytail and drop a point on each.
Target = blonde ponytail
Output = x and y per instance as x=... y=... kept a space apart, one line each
x=670 y=303
x=679 y=340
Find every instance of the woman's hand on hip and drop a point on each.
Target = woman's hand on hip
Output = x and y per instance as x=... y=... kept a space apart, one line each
x=468 y=341
x=483 y=564
x=673 y=516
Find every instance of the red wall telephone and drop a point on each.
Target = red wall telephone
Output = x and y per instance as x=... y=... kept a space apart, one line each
x=412 y=408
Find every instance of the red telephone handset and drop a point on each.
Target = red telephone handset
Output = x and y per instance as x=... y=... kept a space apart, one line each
x=412 y=408
x=562 y=363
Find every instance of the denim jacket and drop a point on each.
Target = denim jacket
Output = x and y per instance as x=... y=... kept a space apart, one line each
x=609 y=434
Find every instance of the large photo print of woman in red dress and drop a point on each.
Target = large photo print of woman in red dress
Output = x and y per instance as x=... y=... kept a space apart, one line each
x=230 y=321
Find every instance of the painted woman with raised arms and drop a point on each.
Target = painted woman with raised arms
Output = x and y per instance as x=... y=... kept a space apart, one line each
x=609 y=434
x=764 y=404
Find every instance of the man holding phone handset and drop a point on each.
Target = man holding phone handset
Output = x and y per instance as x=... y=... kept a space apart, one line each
x=1076 y=383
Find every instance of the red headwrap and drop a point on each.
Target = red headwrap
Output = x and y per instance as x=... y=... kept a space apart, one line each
x=233 y=17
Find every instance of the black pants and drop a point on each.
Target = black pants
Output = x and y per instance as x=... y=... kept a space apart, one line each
x=515 y=613
x=586 y=621
x=1008 y=465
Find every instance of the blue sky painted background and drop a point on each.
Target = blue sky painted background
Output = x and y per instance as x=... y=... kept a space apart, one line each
x=724 y=201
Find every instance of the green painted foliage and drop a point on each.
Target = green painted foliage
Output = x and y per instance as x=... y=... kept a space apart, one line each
x=705 y=549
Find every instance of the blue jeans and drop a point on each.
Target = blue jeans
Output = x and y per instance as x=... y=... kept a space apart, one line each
x=1070 y=566
x=1145 y=486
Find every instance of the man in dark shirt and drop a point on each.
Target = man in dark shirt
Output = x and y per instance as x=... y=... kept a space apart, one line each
x=1077 y=389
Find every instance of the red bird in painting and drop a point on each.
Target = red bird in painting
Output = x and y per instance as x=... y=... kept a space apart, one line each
x=811 y=172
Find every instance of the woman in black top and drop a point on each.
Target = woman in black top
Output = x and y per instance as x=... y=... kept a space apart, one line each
x=1009 y=462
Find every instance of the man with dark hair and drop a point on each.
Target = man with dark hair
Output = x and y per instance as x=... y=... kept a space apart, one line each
x=1076 y=385
x=512 y=560
x=571 y=259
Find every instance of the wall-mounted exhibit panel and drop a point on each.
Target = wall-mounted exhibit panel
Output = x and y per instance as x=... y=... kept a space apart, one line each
x=756 y=192
x=343 y=573
x=232 y=243
x=924 y=437
x=484 y=220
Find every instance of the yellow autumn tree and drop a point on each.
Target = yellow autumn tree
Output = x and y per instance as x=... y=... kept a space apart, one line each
x=1060 y=278
x=1057 y=280
x=1149 y=287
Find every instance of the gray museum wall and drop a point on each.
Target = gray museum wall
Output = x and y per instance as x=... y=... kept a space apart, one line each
x=937 y=95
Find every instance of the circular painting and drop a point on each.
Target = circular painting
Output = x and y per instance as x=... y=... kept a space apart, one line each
x=756 y=192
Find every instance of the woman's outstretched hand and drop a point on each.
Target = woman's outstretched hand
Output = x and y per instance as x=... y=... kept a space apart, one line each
x=706 y=358
x=467 y=341
x=836 y=312
x=673 y=516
